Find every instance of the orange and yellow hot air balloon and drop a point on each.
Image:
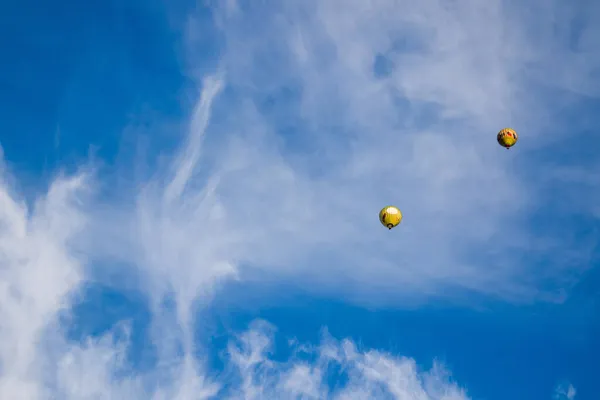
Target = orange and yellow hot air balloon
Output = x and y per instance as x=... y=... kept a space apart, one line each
x=507 y=138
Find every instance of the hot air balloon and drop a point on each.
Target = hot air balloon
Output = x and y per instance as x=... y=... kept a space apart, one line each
x=390 y=216
x=507 y=138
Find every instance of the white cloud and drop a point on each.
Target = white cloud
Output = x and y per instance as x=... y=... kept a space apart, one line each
x=41 y=271
x=240 y=202
x=370 y=374
x=43 y=268
x=421 y=137
x=565 y=392
x=37 y=272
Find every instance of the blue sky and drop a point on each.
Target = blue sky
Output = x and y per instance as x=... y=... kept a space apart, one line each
x=190 y=196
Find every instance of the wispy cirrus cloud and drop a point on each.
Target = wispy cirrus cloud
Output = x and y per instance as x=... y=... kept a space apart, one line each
x=332 y=370
x=320 y=113
x=45 y=266
x=335 y=111
x=566 y=392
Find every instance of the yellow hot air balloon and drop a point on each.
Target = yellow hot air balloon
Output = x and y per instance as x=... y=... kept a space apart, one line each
x=507 y=138
x=390 y=216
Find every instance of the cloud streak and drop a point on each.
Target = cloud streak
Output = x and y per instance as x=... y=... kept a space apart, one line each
x=565 y=392
x=324 y=140
x=38 y=271
x=310 y=372
x=321 y=113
